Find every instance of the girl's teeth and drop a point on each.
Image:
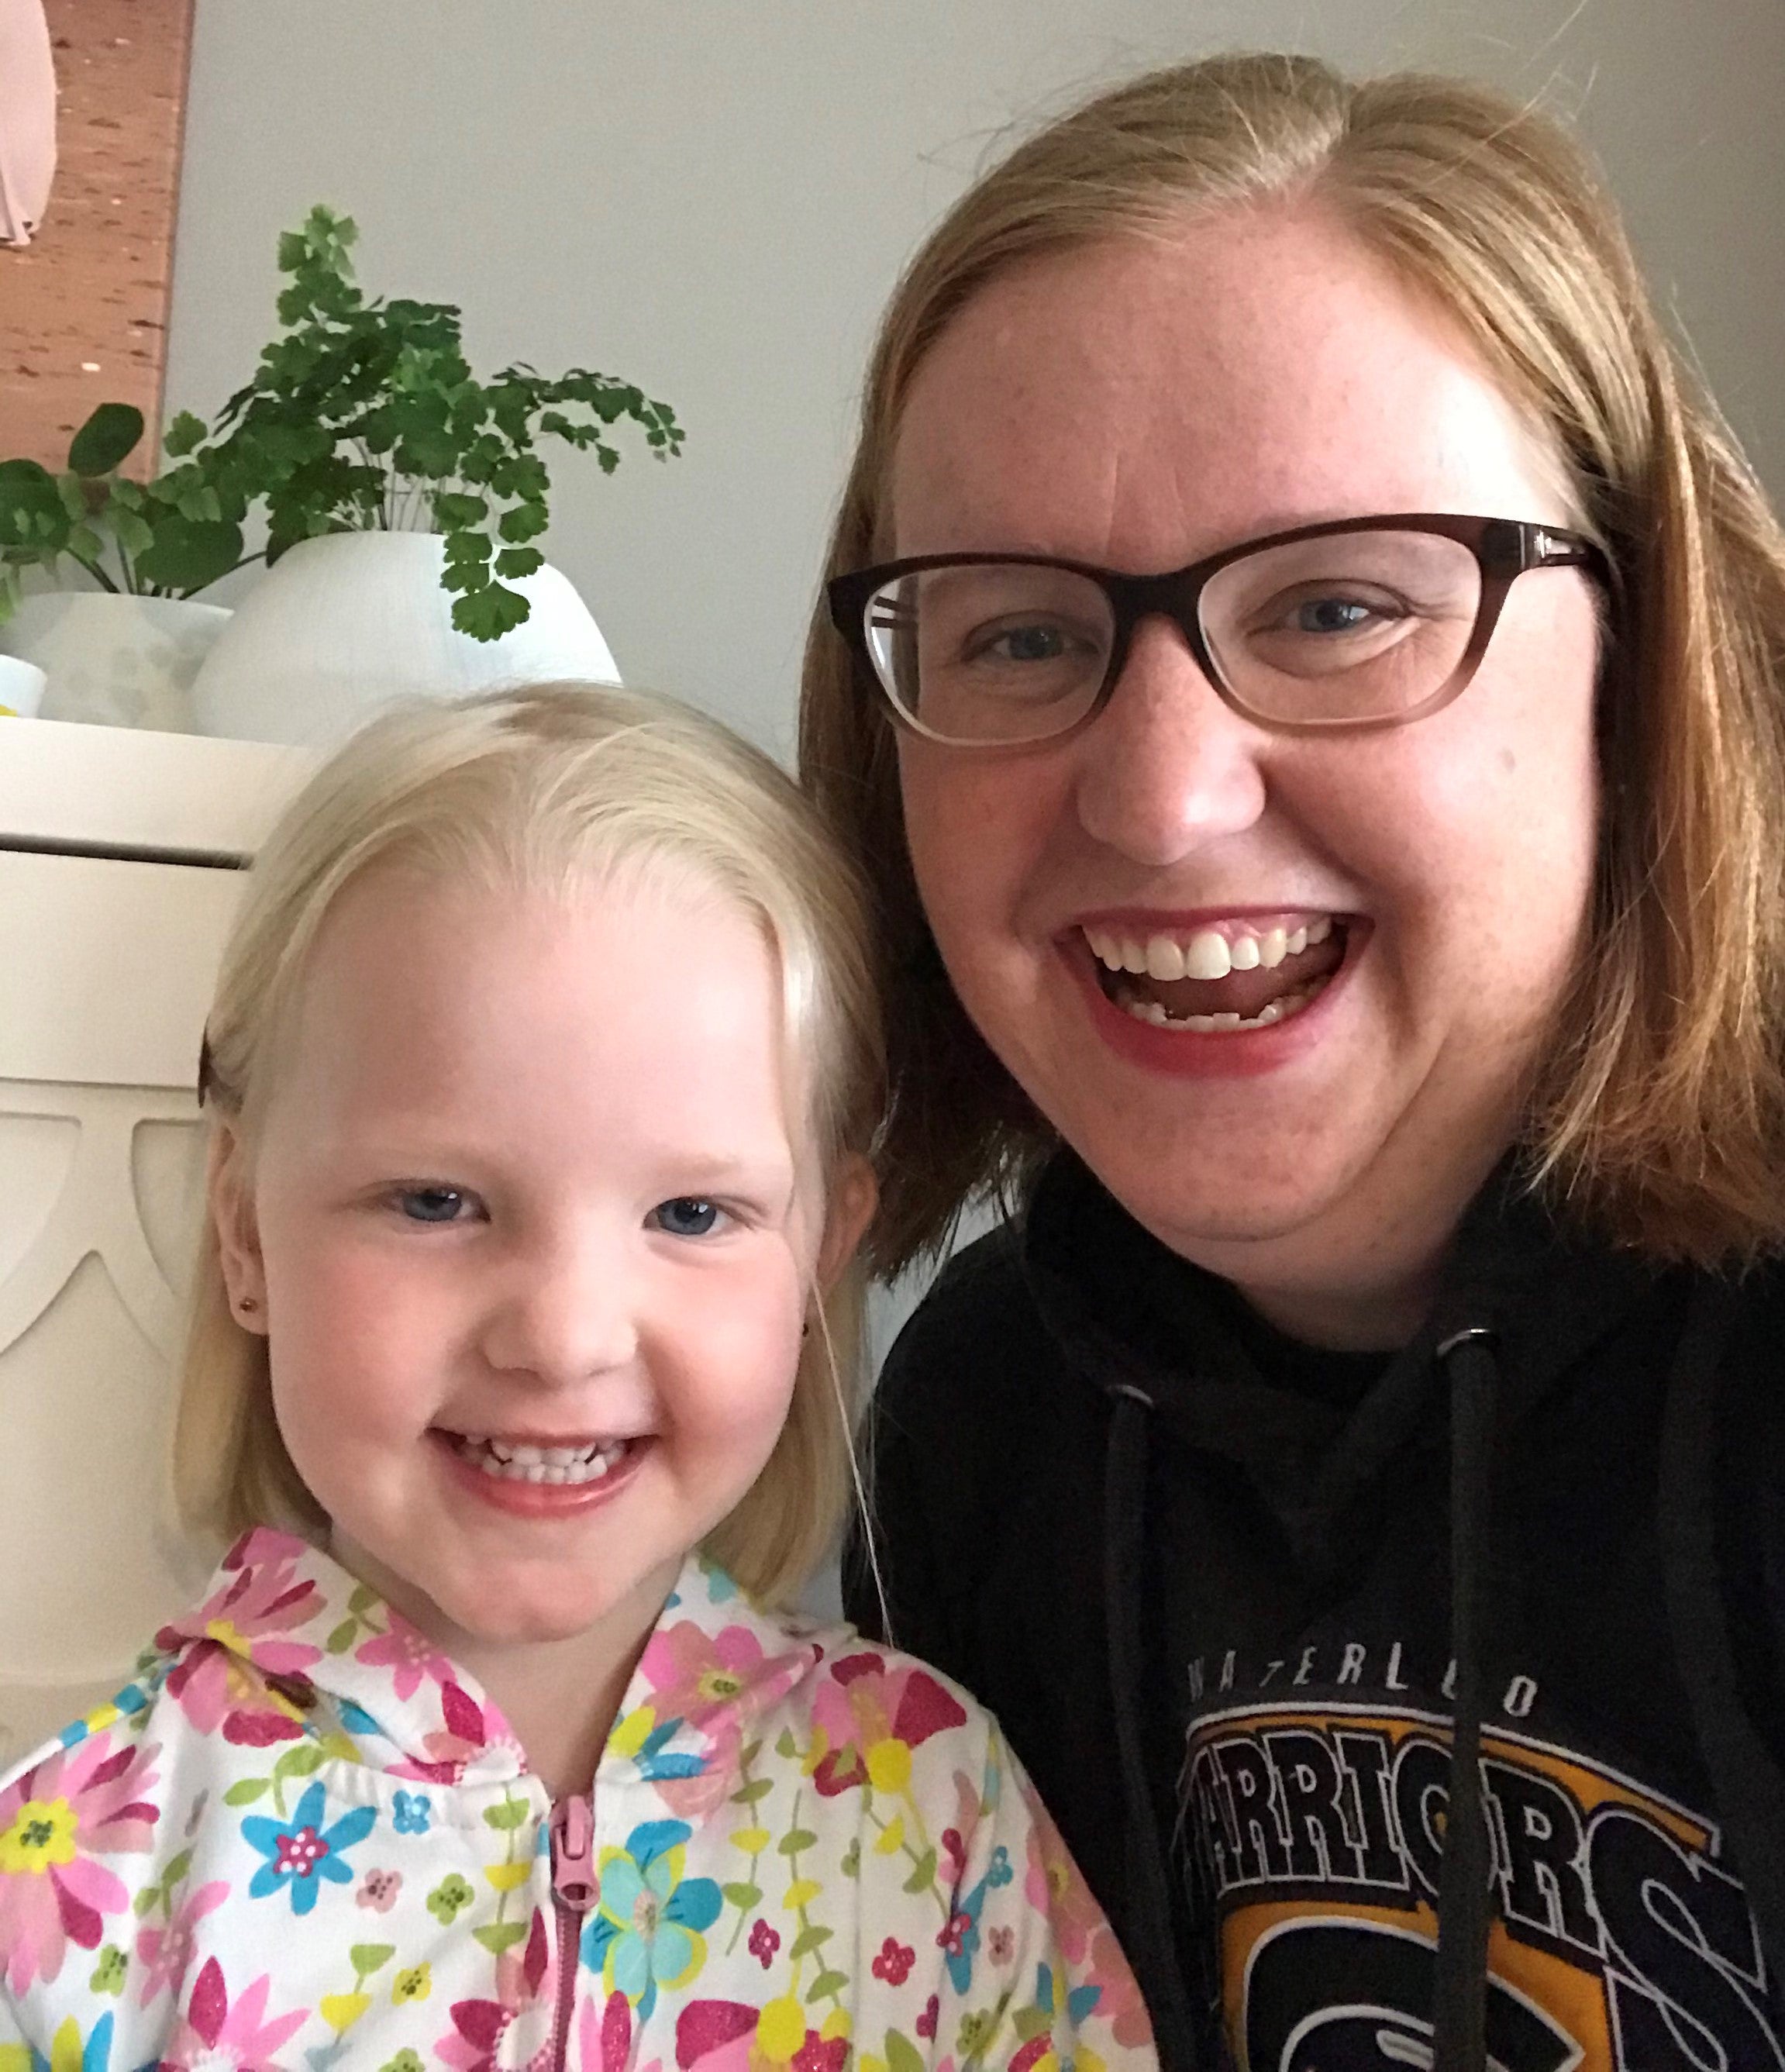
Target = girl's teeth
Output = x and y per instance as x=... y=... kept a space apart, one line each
x=1207 y=956
x=1273 y=946
x=1164 y=958
x=1245 y=952
x=541 y=1464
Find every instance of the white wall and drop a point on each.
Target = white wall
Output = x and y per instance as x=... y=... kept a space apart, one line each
x=712 y=197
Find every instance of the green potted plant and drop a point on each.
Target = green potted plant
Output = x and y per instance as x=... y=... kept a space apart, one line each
x=403 y=495
x=112 y=618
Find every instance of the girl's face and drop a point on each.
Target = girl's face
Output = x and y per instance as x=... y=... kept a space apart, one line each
x=533 y=1245
x=1139 y=405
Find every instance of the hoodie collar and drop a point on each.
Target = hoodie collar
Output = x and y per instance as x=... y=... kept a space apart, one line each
x=286 y=1644
x=1131 y=1315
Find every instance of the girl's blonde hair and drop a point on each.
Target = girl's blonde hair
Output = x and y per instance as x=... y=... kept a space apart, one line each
x=1660 y=1118
x=539 y=789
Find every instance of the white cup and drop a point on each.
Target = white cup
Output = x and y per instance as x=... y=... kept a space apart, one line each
x=21 y=688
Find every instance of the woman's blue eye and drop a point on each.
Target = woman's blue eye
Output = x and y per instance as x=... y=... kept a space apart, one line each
x=688 y=1215
x=1334 y=614
x=430 y=1205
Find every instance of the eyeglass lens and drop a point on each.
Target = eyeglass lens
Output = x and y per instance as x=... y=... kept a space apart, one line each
x=1347 y=628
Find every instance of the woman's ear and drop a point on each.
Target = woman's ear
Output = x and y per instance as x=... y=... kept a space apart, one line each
x=849 y=1209
x=231 y=1201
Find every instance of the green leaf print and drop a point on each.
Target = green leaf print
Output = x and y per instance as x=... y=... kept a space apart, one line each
x=796 y=1840
x=922 y=1874
x=247 y=1791
x=810 y=1939
x=341 y=1639
x=500 y=1935
x=743 y=1897
x=509 y=1814
x=826 y=1986
x=901 y=2055
x=760 y=1788
x=367 y=1958
x=298 y=1762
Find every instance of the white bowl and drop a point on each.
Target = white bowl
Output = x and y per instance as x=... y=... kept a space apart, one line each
x=21 y=688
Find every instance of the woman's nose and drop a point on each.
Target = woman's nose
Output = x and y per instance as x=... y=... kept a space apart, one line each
x=563 y=1311
x=1166 y=767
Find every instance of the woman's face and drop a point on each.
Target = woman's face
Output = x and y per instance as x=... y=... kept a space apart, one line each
x=1138 y=406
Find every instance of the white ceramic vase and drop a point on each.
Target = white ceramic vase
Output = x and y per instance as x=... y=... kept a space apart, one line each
x=342 y=625
x=21 y=688
x=111 y=660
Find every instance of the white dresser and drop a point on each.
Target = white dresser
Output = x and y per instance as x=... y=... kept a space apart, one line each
x=120 y=869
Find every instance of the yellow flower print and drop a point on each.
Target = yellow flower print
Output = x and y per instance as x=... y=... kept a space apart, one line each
x=416 y=1983
x=42 y=1835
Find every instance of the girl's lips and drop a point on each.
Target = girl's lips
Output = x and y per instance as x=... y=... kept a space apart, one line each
x=540 y=1500
x=1194 y=1054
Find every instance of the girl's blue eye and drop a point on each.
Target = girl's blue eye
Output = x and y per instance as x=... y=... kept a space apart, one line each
x=688 y=1215
x=430 y=1205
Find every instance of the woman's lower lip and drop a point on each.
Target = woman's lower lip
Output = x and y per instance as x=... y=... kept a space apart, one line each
x=545 y=1500
x=1194 y=1054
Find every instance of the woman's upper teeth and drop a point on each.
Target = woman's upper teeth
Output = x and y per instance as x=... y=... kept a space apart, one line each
x=549 y=1457
x=1207 y=952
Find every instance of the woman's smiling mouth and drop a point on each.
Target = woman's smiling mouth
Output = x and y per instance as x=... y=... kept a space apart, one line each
x=1214 y=977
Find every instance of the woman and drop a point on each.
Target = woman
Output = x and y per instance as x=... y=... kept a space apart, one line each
x=1303 y=674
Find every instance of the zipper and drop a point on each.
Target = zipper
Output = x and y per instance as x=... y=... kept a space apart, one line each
x=574 y=1889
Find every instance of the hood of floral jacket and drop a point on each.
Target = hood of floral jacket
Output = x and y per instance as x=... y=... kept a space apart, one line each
x=303 y=1837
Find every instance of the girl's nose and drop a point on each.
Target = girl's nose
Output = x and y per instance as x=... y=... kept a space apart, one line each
x=562 y=1312
x=1166 y=767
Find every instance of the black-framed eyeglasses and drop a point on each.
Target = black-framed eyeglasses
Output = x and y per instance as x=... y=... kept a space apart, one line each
x=1339 y=627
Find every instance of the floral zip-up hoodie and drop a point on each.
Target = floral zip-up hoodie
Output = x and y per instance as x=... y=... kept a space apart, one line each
x=302 y=1838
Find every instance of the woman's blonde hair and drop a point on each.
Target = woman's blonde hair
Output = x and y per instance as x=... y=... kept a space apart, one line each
x=540 y=789
x=1660 y=1117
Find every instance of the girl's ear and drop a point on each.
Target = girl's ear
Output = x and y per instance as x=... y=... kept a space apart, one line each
x=232 y=1206
x=849 y=1209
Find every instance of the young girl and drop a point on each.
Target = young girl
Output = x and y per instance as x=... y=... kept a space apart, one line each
x=542 y=1070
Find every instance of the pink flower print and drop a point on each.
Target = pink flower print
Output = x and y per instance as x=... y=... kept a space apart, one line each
x=408 y=1654
x=954 y=1855
x=378 y=1889
x=1056 y=1891
x=764 y=1942
x=1121 y=2005
x=717 y=2036
x=1000 y=1945
x=895 y=1962
x=241 y=1630
x=925 y=2023
x=816 y=2055
x=78 y=1804
x=168 y=1951
x=216 y=2035
x=604 y=2036
x=953 y=1932
x=479 y=2026
x=695 y=1674
x=468 y=1731
x=873 y=1717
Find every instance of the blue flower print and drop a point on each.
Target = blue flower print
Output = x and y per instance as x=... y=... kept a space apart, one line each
x=413 y=1811
x=646 y=1929
x=68 y=2049
x=654 y=1766
x=959 y=1941
x=301 y=1852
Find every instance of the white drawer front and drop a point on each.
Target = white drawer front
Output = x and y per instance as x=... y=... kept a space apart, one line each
x=106 y=968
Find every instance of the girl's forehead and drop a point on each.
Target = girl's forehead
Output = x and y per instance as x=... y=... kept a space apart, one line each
x=611 y=1003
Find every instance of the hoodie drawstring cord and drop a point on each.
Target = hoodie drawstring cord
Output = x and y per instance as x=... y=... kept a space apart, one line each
x=1155 y=1950
x=1746 y=1783
x=1459 y=1997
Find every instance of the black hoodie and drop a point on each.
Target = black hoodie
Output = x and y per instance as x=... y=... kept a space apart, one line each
x=1231 y=1598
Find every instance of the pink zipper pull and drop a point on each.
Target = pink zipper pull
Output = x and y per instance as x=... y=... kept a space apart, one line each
x=573 y=1832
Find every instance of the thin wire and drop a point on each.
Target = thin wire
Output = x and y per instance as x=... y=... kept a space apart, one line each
x=856 y=1482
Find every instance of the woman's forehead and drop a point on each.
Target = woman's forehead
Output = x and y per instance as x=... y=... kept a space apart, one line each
x=1160 y=394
